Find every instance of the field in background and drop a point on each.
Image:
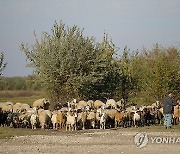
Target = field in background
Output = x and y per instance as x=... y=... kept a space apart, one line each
x=20 y=96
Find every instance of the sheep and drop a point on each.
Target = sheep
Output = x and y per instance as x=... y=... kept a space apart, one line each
x=161 y=110
x=103 y=121
x=72 y=104
x=111 y=103
x=81 y=104
x=119 y=118
x=64 y=109
x=44 y=118
x=90 y=103
x=110 y=113
x=34 y=120
x=54 y=120
x=91 y=117
x=3 y=118
x=32 y=110
x=97 y=104
x=156 y=105
x=24 y=119
x=9 y=103
x=7 y=107
x=120 y=104
x=17 y=107
x=25 y=106
x=61 y=119
x=41 y=103
x=136 y=118
x=71 y=121
x=110 y=117
x=81 y=118
x=1 y=104
x=176 y=114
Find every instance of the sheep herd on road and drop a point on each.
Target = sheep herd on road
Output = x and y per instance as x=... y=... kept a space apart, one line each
x=77 y=115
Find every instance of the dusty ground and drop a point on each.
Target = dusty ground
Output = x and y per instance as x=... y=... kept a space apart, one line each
x=119 y=141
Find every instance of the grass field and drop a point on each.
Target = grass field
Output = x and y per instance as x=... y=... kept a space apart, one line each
x=20 y=96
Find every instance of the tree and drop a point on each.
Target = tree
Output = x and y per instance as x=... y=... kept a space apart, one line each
x=128 y=83
x=69 y=64
x=2 y=64
x=161 y=72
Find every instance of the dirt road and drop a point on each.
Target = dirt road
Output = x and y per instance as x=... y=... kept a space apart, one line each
x=119 y=141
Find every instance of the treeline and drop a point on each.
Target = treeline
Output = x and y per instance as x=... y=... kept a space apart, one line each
x=19 y=83
x=69 y=64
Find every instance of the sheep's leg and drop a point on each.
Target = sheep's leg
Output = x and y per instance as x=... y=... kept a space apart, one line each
x=83 y=126
x=104 y=125
x=66 y=127
x=115 y=124
x=75 y=127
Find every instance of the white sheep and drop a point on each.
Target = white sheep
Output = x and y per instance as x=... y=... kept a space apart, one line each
x=71 y=121
x=17 y=107
x=81 y=104
x=103 y=121
x=111 y=103
x=97 y=104
x=136 y=118
x=44 y=119
x=7 y=107
x=34 y=120
x=54 y=120
x=41 y=103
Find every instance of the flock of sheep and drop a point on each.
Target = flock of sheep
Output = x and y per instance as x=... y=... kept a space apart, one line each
x=81 y=115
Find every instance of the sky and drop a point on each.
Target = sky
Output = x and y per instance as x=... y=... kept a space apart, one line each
x=136 y=23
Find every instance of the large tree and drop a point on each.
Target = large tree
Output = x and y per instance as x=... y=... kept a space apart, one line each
x=69 y=64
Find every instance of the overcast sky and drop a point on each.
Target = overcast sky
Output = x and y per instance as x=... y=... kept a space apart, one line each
x=135 y=23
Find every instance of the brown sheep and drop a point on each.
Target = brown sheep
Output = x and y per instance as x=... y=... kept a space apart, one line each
x=61 y=119
x=176 y=114
x=119 y=116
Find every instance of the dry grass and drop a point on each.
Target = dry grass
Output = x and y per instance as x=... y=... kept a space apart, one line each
x=20 y=96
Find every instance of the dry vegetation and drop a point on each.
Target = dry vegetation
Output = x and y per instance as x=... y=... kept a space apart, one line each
x=20 y=96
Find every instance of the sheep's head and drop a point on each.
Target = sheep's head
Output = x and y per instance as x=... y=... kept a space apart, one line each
x=46 y=104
